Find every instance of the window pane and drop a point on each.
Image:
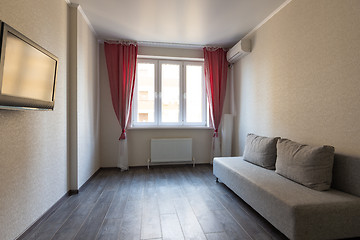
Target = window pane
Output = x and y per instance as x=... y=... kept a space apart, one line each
x=170 y=89
x=145 y=92
x=194 y=93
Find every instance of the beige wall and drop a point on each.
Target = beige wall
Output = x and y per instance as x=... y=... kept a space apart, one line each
x=88 y=99
x=301 y=80
x=33 y=144
x=72 y=99
x=139 y=140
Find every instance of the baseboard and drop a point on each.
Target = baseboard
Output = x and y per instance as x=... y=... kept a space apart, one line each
x=73 y=192
x=177 y=164
x=53 y=208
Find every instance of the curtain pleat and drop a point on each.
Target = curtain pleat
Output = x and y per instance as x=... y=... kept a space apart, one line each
x=216 y=69
x=121 y=65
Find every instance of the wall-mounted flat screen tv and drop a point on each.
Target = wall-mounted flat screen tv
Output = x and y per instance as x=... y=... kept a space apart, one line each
x=28 y=72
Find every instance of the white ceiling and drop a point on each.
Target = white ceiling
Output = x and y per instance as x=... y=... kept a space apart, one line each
x=198 y=22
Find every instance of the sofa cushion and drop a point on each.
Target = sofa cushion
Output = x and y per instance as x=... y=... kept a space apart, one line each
x=260 y=150
x=307 y=165
x=346 y=175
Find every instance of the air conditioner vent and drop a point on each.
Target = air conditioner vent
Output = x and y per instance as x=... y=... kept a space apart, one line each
x=241 y=49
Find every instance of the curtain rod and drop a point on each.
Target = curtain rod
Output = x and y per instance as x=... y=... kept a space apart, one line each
x=177 y=45
x=156 y=44
x=161 y=44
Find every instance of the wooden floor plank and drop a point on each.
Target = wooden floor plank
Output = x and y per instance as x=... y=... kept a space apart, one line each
x=230 y=226
x=217 y=236
x=188 y=221
x=117 y=207
x=170 y=226
x=95 y=219
x=109 y=229
x=165 y=202
x=130 y=227
x=70 y=227
x=150 y=220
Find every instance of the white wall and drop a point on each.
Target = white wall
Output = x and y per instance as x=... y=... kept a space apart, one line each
x=301 y=80
x=139 y=140
x=33 y=144
x=84 y=100
x=88 y=100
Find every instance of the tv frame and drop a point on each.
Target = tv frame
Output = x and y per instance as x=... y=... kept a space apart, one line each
x=20 y=103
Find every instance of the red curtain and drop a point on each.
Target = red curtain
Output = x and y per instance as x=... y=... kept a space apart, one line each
x=121 y=65
x=216 y=68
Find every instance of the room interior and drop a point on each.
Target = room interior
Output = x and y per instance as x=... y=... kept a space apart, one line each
x=300 y=81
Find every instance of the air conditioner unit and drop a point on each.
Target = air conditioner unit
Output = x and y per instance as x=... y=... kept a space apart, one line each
x=241 y=49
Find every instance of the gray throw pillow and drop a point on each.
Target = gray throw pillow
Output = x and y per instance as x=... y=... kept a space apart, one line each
x=260 y=150
x=307 y=165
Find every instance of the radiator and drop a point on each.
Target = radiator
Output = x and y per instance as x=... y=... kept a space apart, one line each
x=171 y=150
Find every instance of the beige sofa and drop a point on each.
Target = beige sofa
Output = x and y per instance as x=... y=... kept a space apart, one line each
x=296 y=210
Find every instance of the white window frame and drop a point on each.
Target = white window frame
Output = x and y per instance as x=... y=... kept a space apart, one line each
x=135 y=96
x=204 y=99
x=182 y=95
x=174 y=62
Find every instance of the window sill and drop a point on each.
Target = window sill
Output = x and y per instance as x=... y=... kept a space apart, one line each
x=168 y=128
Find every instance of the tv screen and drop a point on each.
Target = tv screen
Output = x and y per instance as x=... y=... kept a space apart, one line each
x=27 y=72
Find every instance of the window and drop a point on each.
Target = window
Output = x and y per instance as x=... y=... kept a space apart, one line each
x=169 y=93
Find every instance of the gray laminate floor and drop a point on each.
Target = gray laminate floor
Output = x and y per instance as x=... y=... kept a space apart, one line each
x=178 y=202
